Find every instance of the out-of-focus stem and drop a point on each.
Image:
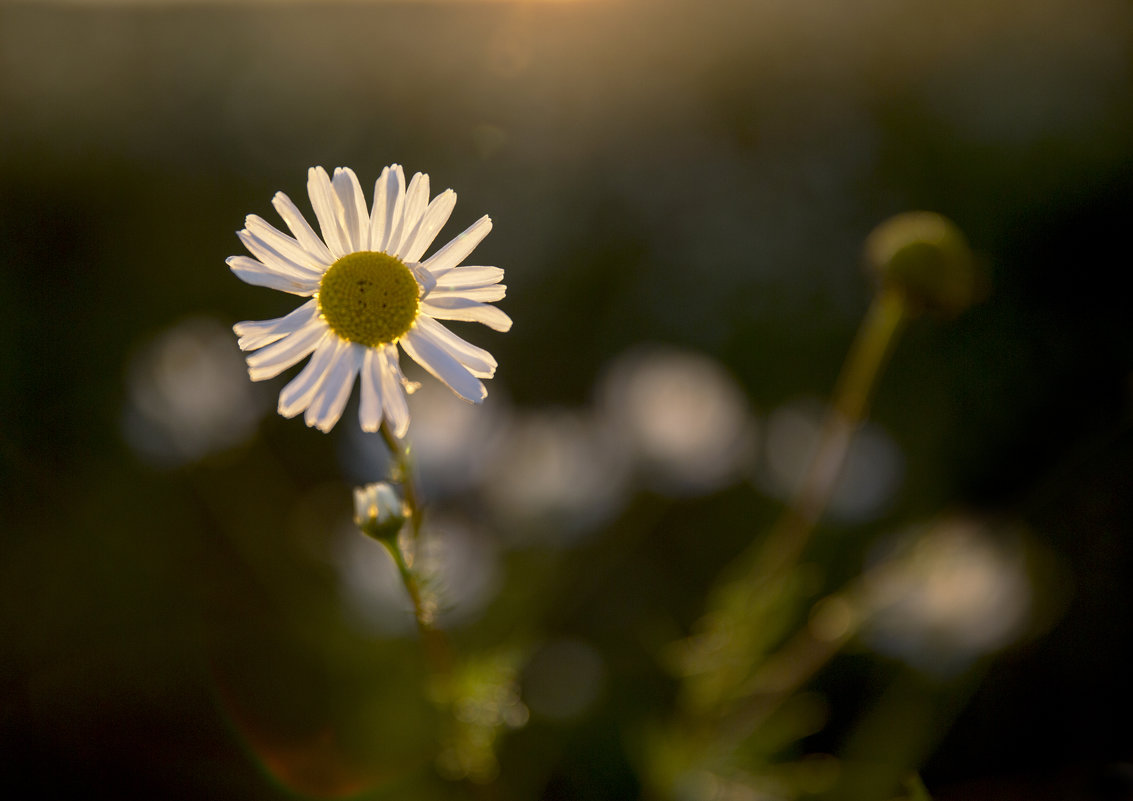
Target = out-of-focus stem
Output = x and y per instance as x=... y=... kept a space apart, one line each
x=833 y=622
x=874 y=342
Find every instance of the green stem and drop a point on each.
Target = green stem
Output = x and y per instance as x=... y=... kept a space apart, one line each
x=403 y=474
x=742 y=686
x=795 y=662
x=770 y=559
x=874 y=342
x=433 y=640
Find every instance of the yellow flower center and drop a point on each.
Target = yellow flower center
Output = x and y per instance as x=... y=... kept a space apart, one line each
x=368 y=298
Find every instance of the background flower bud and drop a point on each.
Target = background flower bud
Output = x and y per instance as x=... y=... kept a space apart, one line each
x=925 y=257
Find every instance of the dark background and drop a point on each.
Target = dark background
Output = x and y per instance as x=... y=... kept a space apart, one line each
x=696 y=174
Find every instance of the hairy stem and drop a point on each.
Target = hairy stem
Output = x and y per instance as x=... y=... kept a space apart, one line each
x=433 y=640
x=403 y=474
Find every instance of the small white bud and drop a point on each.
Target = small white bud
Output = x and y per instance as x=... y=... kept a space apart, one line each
x=379 y=510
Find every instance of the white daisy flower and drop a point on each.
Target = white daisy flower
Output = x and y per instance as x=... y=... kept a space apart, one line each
x=369 y=291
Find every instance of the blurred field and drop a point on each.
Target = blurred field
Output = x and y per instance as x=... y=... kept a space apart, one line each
x=185 y=611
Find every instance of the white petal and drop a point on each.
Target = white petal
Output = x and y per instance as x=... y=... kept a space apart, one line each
x=478 y=361
x=443 y=366
x=254 y=334
x=356 y=220
x=378 y=214
x=302 y=230
x=273 y=259
x=257 y=273
x=328 y=210
x=300 y=391
x=425 y=281
x=334 y=389
x=449 y=308
x=395 y=202
x=370 y=404
x=416 y=200
x=431 y=224
x=284 y=245
x=470 y=276
x=484 y=294
x=458 y=249
x=272 y=360
x=393 y=392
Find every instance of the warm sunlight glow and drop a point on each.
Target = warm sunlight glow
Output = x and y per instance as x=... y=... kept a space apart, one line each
x=307 y=2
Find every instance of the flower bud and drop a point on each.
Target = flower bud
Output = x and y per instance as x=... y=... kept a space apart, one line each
x=379 y=510
x=926 y=258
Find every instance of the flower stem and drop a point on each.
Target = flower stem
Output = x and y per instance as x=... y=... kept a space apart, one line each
x=403 y=474
x=733 y=694
x=874 y=342
x=433 y=640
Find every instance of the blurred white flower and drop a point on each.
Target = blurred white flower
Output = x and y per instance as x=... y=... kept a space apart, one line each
x=369 y=292
x=187 y=396
x=868 y=477
x=557 y=475
x=453 y=443
x=948 y=595
x=681 y=416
